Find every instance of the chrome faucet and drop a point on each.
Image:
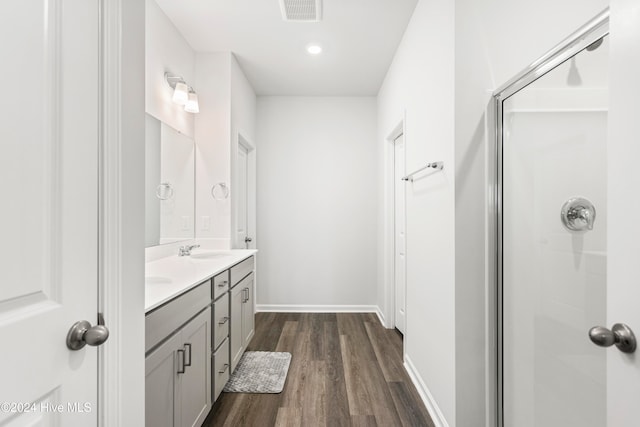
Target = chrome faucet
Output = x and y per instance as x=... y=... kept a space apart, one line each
x=186 y=250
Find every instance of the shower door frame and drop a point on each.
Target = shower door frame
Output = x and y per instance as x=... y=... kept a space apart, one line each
x=595 y=29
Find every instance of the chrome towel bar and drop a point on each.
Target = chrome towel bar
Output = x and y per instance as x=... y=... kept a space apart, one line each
x=434 y=165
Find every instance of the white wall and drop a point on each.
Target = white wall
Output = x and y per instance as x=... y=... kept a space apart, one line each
x=123 y=239
x=420 y=84
x=623 y=268
x=152 y=161
x=317 y=190
x=166 y=50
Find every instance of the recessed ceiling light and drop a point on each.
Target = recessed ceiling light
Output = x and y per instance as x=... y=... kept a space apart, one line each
x=314 y=49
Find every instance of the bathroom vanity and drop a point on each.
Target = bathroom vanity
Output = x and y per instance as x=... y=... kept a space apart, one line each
x=199 y=305
x=199 y=320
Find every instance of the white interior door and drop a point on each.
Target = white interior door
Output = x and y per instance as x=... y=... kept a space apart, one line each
x=242 y=191
x=49 y=253
x=400 y=234
x=244 y=183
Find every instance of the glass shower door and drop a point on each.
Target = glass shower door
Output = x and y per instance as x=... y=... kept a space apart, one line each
x=554 y=245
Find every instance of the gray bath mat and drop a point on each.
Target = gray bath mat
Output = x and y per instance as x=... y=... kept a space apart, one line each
x=259 y=372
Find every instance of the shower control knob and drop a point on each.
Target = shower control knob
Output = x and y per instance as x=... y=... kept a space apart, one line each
x=578 y=214
x=620 y=335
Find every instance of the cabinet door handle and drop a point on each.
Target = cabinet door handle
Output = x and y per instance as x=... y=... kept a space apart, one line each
x=188 y=345
x=226 y=366
x=223 y=284
x=181 y=352
x=224 y=320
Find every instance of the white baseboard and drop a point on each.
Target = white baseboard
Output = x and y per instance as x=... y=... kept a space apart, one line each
x=381 y=317
x=291 y=308
x=432 y=407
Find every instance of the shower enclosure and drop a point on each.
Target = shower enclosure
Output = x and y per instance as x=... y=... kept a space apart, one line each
x=551 y=238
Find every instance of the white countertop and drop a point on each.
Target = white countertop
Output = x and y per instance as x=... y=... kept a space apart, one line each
x=167 y=278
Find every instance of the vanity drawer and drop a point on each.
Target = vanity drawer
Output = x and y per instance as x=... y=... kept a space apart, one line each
x=220 y=284
x=164 y=320
x=241 y=270
x=221 y=320
x=221 y=368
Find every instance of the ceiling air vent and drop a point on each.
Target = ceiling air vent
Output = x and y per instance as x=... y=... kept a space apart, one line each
x=301 y=10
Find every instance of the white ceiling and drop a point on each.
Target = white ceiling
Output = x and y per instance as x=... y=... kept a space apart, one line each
x=358 y=37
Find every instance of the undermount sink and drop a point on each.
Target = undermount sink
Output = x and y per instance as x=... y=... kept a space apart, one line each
x=157 y=280
x=209 y=255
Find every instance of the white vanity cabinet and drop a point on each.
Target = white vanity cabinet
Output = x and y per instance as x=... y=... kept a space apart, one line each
x=178 y=370
x=195 y=335
x=221 y=321
x=242 y=309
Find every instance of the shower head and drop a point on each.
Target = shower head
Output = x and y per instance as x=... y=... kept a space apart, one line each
x=596 y=44
x=574 y=79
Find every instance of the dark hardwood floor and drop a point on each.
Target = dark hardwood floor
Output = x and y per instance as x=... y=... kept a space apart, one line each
x=346 y=370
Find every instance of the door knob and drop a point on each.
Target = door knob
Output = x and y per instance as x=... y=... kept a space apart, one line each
x=82 y=333
x=247 y=240
x=620 y=335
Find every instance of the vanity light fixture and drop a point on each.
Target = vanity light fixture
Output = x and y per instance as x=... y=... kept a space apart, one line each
x=183 y=94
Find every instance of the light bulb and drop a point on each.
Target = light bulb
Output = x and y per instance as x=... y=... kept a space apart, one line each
x=314 y=49
x=180 y=94
x=192 y=103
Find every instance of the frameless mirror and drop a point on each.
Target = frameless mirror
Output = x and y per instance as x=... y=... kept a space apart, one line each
x=169 y=184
